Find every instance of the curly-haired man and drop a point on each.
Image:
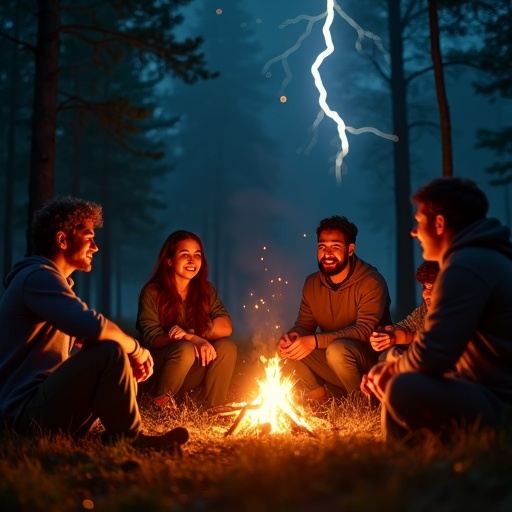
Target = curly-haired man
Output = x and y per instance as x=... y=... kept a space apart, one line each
x=46 y=385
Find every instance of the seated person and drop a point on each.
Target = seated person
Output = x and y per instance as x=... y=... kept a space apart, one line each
x=46 y=385
x=341 y=305
x=185 y=326
x=468 y=326
x=393 y=340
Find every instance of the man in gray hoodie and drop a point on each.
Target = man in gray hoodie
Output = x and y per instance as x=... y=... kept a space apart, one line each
x=46 y=385
x=468 y=326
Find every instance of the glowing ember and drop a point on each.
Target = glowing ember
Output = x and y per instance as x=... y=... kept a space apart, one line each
x=273 y=411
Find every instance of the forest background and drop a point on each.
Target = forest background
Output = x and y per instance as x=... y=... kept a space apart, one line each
x=229 y=146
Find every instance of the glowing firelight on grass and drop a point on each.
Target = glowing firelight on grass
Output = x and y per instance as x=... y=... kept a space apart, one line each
x=273 y=410
x=332 y=6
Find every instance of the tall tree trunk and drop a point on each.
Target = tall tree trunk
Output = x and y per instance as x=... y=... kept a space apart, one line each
x=44 y=110
x=105 y=279
x=405 y=284
x=444 y=111
x=76 y=163
x=11 y=151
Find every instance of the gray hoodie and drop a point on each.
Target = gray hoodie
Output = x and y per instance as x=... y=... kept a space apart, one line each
x=469 y=323
x=40 y=320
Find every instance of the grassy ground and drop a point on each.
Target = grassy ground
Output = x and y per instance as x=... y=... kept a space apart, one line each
x=343 y=466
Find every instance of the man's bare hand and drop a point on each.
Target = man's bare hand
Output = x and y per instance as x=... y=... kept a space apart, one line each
x=383 y=339
x=142 y=365
x=285 y=341
x=298 y=348
x=375 y=382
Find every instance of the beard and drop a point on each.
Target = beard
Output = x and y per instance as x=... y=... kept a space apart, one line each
x=82 y=263
x=335 y=269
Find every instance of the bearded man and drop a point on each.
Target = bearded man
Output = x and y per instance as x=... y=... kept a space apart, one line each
x=341 y=305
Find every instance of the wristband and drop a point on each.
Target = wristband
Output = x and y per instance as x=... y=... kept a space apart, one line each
x=136 y=349
x=316 y=340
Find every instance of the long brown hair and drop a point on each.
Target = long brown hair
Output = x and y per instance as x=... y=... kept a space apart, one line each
x=197 y=304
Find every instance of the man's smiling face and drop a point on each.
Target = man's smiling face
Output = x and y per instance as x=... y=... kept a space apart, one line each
x=333 y=252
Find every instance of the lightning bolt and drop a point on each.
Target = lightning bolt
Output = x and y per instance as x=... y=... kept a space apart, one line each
x=322 y=99
x=342 y=129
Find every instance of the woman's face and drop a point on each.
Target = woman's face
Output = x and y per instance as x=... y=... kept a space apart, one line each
x=187 y=259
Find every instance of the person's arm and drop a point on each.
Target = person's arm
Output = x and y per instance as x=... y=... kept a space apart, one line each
x=140 y=358
x=221 y=328
x=415 y=321
x=221 y=325
x=49 y=295
x=372 y=305
x=388 y=336
x=152 y=334
x=450 y=323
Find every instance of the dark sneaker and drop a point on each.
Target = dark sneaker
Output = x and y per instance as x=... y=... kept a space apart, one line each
x=169 y=442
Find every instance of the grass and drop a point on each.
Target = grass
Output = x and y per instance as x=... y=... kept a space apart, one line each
x=344 y=466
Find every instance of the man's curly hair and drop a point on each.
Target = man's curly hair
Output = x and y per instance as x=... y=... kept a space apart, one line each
x=62 y=213
x=427 y=272
x=338 y=223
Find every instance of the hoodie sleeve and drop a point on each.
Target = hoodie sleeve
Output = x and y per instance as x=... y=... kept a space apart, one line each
x=352 y=312
x=48 y=295
x=458 y=302
x=369 y=308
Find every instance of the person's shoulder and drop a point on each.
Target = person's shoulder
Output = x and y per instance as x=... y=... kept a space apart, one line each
x=38 y=266
x=315 y=276
x=366 y=270
x=313 y=282
x=149 y=290
x=212 y=291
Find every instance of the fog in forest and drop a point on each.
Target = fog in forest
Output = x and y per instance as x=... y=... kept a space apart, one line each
x=270 y=232
x=249 y=175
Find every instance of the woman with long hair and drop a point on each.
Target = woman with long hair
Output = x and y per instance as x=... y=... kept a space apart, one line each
x=184 y=324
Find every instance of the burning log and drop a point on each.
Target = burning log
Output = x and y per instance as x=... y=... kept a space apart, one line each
x=240 y=417
x=273 y=411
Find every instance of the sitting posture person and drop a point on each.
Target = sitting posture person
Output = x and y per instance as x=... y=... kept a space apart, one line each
x=184 y=324
x=468 y=326
x=346 y=299
x=43 y=388
x=393 y=340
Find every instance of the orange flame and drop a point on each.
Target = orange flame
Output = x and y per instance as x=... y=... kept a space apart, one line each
x=273 y=410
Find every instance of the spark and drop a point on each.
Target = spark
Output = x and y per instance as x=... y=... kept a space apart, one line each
x=325 y=110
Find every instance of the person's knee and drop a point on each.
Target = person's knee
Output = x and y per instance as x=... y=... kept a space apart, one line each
x=182 y=352
x=402 y=392
x=339 y=349
x=225 y=348
x=108 y=351
x=293 y=368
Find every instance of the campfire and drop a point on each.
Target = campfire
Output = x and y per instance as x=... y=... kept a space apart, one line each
x=273 y=410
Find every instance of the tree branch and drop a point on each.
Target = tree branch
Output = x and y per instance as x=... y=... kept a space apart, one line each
x=14 y=40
